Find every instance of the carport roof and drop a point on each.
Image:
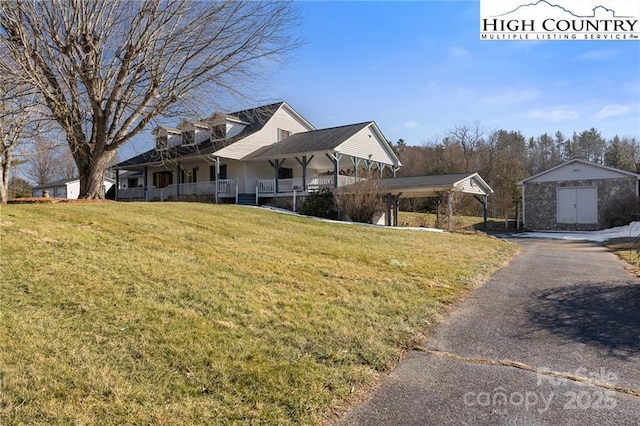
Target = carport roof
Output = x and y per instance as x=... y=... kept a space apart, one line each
x=430 y=186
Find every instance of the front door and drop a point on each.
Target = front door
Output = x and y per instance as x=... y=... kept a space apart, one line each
x=162 y=179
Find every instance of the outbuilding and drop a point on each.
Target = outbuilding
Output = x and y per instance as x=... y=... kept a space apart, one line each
x=65 y=188
x=577 y=196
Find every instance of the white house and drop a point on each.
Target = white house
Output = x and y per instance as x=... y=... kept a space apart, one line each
x=245 y=156
x=66 y=188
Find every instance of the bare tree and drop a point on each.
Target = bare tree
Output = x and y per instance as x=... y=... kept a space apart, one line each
x=360 y=201
x=107 y=68
x=16 y=125
x=468 y=136
x=41 y=166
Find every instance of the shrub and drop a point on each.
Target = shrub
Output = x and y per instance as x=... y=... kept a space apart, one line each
x=360 y=201
x=621 y=211
x=319 y=204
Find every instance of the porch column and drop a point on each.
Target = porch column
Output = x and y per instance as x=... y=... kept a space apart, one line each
x=335 y=158
x=117 y=183
x=389 y=201
x=276 y=167
x=304 y=163
x=217 y=176
x=356 y=162
x=369 y=164
x=178 y=180
x=381 y=169
x=276 y=164
x=145 y=174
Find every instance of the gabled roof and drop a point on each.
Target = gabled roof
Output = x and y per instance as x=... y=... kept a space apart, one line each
x=62 y=182
x=312 y=141
x=256 y=117
x=426 y=186
x=579 y=161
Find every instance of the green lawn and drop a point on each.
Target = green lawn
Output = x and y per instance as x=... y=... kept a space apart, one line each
x=183 y=313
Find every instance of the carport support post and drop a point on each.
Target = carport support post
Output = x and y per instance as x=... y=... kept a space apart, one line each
x=484 y=210
x=449 y=210
x=389 y=199
x=396 y=209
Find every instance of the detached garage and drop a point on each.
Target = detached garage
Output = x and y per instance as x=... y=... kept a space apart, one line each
x=577 y=195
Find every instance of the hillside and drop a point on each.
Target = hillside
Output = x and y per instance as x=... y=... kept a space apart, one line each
x=181 y=313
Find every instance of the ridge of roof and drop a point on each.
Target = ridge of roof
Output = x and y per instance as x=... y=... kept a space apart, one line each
x=577 y=160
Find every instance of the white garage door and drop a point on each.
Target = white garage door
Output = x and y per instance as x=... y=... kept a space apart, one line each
x=578 y=205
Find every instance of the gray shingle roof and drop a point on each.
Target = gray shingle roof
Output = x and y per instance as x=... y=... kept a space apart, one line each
x=312 y=141
x=54 y=183
x=256 y=117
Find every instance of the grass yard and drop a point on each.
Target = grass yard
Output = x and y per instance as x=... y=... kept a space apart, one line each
x=460 y=223
x=628 y=249
x=185 y=313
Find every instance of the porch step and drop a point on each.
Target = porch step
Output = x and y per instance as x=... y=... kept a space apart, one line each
x=247 y=199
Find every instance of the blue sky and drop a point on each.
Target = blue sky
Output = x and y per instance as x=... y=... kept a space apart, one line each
x=419 y=68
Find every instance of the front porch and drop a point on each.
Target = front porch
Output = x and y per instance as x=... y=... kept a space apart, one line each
x=229 y=189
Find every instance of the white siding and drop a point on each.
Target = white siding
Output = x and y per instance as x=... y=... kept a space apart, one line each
x=73 y=189
x=471 y=186
x=261 y=170
x=202 y=134
x=366 y=143
x=234 y=128
x=281 y=119
x=577 y=171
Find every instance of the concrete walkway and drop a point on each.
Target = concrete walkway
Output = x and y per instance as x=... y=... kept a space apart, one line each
x=552 y=339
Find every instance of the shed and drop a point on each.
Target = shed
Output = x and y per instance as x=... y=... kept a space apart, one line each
x=576 y=196
x=66 y=188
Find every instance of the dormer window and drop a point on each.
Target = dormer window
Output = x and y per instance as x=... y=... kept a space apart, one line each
x=188 y=137
x=161 y=141
x=283 y=134
x=166 y=138
x=218 y=132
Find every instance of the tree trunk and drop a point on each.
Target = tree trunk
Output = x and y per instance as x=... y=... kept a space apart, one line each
x=4 y=177
x=92 y=173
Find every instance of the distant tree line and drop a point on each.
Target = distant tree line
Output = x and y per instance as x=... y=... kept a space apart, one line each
x=504 y=157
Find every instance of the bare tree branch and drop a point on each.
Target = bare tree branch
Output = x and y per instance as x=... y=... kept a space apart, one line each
x=106 y=68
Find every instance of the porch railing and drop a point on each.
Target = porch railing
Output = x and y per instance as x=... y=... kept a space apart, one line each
x=268 y=186
x=130 y=193
x=227 y=188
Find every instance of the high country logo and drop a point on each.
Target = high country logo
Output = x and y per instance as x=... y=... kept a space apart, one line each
x=559 y=20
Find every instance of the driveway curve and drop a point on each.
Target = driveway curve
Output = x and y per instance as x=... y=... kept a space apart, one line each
x=551 y=339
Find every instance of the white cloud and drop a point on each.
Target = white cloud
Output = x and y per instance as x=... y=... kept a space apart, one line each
x=458 y=52
x=613 y=110
x=411 y=125
x=598 y=54
x=555 y=115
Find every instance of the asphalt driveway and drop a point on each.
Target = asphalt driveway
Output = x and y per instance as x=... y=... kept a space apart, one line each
x=553 y=338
